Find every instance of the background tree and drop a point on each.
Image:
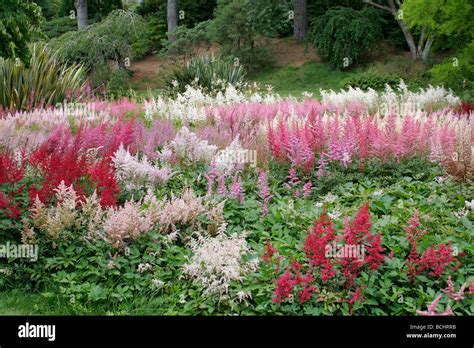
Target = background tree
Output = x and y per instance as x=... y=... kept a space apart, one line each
x=172 y=16
x=301 y=20
x=426 y=37
x=81 y=8
x=19 y=20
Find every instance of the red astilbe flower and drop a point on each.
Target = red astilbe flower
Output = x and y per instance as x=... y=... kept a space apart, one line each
x=284 y=286
x=64 y=157
x=11 y=174
x=353 y=298
x=315 y=246
x=434 y=260
x=269 y=252
x=357 y=233
x=103 y=175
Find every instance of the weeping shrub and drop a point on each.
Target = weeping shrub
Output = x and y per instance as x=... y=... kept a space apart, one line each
x=45 y=82
x=343 y=36
x=212 y=73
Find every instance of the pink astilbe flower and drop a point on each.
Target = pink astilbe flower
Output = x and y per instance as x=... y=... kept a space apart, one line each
x=322 y=163
x=264 y=192
x=452 y=293
x=211 y=177
x=126 y=223
x=237 y=190
x=432 y=309
x=471 y=287
x=307 y=188
x=293 y=181
x=221 y=186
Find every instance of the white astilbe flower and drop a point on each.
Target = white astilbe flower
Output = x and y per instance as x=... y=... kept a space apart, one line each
x=191 y=105
x=189 y=148
x=134 y=173
x=403 y=102
x=231 y=159
x=219 y=260
x=335 y=214
x=56 y=220
x=127 y=222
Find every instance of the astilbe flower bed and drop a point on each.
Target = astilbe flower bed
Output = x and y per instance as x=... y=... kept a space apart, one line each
x=360 y=203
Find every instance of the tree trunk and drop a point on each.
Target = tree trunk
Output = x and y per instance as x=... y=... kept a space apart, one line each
x=172 y=14
x=409 y=39
x=300 y=22
x=81 y=8
x=426 y=50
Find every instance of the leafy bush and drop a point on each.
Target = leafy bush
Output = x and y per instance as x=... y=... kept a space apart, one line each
x=457 y=72
x=234 y=28
x=45 y=82
x=187 y=39
x=111 y=39
x=343 y=36
x=58 y=26
x=19 y=21
x=209 y=72
x=195 y=11
x=368 y=79
x=119 y=83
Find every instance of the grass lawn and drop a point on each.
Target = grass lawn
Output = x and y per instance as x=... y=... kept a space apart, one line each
x=310 y=77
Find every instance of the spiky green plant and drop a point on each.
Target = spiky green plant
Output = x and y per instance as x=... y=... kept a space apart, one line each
x=45 y=82
x=212 y=73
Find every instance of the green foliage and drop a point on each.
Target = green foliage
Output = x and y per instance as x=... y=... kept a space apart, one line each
x=271 y=17
x=187 y=39
x=236 y=30
x=451 y=18
x=84 y=277
x=111 y=39
x=155 y=32
x=44 y=82
x=209 y=72
x=457 y=72
x=119 y=83
x=96 y=9
x=195 y=11
x=369 y=79
x=19 y=20
x=50 y=8
x=344 y=36
x=58 y=26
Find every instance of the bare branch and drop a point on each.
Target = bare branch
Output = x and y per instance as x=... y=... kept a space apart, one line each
x=386 y=8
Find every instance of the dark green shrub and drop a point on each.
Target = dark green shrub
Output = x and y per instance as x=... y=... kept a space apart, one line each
x=457 y=72
x=195 y=11
x=111 y=39
x=119 y=83
x=344 y=36
x=209 y=72
x=236 y=30
x=368 y=79
x=59 y=26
